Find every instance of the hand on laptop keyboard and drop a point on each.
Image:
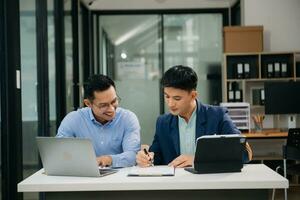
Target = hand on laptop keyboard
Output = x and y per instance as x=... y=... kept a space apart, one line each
x=104 y=161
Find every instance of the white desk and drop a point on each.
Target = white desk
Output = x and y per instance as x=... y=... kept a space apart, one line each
x=254 y=180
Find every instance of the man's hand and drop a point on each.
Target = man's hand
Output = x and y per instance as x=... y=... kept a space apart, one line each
x=249 y=150
x=104 y=161
x=182 y=161
x=144 y=160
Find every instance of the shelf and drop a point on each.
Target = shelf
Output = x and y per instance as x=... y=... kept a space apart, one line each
x=242 y=54
x=247 y=73
x=237 y=116
x=276 y=53
x=257 y=107
x=240 y=80
x=277 y=79
x=262 y=79
x=235 y=80
x=244 y=119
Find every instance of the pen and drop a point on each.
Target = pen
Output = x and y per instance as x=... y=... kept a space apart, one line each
x=147 y=153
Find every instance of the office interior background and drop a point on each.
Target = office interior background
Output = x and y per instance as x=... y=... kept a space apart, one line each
x=49 y=48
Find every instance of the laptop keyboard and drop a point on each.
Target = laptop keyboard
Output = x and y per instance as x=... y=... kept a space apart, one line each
x=104 y=172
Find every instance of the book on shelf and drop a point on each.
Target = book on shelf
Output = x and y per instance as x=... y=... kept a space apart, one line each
x=231 y=96
x=277 y=70
x=246 y=70
x=240 y=71
x=284 y=70
x=262 y=97
x=270 y=70
x=255 y=97
x=238 y=96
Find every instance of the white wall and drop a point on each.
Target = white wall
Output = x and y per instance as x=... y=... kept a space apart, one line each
x=281 y=21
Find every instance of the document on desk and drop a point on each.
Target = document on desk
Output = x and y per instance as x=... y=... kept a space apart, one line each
x=152 y=171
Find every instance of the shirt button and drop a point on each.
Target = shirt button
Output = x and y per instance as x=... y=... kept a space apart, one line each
x=102 y=142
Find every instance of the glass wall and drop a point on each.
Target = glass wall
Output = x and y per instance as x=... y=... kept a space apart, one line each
x=51 y=65
x=69 y=54
x=131 y=53
x=131 y=58
x=195 y=40
x=29 y=89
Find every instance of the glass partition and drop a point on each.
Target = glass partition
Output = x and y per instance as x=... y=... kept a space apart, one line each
x=195 y=40
x=51 y=66
x=69 y=54
x=29 y=89
x=131 y=54
x=131 y=50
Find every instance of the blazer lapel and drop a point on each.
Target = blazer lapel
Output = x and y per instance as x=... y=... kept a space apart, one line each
x=174 y=133
x=200 y=120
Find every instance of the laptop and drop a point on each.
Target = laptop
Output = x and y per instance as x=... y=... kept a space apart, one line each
x=218 y=154
x=70 y=157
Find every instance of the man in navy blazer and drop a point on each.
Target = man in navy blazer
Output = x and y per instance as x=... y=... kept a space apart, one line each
x=176 y=132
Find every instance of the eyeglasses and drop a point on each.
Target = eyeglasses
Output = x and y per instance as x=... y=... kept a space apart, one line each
x=105 y=106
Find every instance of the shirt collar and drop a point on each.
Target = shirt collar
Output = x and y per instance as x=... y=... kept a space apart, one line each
x=191 y=118
x=92 y=117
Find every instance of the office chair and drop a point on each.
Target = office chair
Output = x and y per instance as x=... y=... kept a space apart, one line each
x=291 y=151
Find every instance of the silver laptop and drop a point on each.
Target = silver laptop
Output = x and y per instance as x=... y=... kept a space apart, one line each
x=69 y=157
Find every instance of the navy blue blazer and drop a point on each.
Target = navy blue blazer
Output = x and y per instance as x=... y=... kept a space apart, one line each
x=210 y=120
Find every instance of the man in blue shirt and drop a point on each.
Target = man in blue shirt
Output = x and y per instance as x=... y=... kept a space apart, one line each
x=176 y=133
x=114 y=131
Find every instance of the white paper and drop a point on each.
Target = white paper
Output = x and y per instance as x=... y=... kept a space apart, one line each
x=152 y=171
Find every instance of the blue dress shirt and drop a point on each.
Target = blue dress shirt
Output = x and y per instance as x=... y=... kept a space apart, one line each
x=119 y=138
x=187 y=134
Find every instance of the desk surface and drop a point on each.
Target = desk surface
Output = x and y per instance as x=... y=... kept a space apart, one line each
x=253 y=176
x=266 y=134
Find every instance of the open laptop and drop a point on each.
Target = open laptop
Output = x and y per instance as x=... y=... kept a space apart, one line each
x=218 y=154
x=69 y=157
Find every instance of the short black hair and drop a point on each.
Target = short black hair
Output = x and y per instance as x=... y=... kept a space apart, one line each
x=97 y=83
x=180 y=77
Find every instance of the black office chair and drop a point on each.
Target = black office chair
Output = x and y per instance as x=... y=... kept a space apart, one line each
x=291 y=151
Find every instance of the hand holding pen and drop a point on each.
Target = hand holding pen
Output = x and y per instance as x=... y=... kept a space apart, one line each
x=144 y=158
x=150 y=158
